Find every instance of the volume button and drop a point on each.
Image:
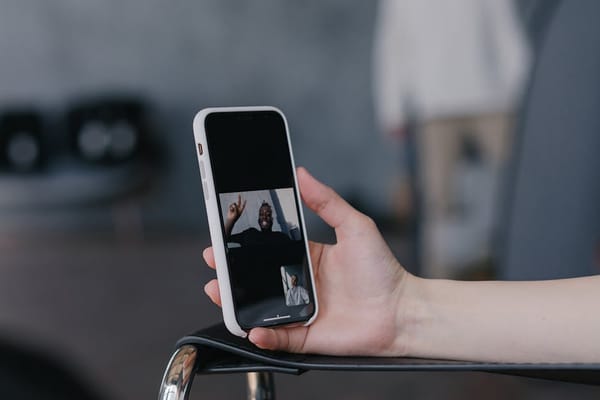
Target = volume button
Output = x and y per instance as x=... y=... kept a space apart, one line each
x=205 y=190
x=202 y=172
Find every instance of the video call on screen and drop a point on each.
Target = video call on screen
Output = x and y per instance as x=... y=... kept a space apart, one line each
x=265 y=250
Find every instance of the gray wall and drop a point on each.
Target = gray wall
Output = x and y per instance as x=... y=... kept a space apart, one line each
x=311 y=59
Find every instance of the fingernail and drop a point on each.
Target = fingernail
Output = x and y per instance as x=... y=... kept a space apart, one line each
x=252 y=335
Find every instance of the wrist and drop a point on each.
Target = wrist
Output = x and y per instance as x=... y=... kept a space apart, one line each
x=412 y=314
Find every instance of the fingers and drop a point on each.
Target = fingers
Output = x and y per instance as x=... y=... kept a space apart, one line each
x=240 y=205
x=211 y=288
x=324 y=201
x=284 y=339
x=209 y=257
x=212 y=291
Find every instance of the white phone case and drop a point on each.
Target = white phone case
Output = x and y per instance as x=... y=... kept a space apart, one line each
x=212 y=210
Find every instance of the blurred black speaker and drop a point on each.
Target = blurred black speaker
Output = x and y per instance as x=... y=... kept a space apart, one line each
x=21 y=141
x=108 y=131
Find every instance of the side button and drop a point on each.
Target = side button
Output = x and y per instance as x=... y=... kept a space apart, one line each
x=202 y=172
x=205 y=190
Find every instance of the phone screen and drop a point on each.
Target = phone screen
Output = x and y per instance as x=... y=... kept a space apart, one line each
x=263 y=235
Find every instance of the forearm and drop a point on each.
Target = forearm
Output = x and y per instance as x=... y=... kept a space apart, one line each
x=544 y=321
x=229 y=226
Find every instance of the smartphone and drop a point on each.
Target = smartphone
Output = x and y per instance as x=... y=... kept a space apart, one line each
x=255 y=218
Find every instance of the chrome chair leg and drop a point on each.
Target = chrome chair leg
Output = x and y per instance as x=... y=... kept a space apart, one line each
x=179 y=374
x=261 y=386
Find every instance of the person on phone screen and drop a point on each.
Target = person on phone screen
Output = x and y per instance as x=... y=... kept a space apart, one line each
x=253 y=236
x=296 y=295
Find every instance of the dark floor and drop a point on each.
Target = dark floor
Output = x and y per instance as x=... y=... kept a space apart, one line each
x=113 y=311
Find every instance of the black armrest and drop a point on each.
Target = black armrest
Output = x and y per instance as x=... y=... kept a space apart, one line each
x=222 y=352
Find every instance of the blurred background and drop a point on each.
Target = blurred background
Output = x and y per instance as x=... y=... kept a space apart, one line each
x=467 y=130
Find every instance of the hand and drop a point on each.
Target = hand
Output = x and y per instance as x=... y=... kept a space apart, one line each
x=359 y=286
x=236 y=209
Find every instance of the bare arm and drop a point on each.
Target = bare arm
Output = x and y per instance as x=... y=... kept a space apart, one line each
x=542 y=321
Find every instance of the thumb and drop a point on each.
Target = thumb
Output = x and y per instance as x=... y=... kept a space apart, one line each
x=283 y=339
x=324 y=201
